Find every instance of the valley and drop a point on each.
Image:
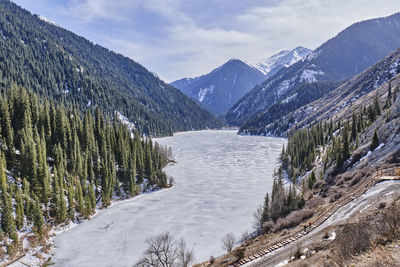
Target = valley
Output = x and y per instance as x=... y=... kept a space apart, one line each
x=119 y=146
x=212 y=178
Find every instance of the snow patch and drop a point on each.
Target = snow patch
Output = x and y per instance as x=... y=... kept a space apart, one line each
x=290 y=98
x=283 y=87
x=124 y=120
x=309 y=75
x=204 y=91
x=43 y=18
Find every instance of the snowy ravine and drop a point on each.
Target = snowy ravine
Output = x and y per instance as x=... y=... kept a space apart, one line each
x=220 y=178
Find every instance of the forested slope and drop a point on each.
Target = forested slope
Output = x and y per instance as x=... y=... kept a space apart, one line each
x=58 y=64
x=56 y=167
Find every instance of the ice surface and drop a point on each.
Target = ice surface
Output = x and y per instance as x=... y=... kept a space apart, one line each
x=220 y=178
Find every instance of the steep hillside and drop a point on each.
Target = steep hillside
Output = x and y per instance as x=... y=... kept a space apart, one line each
x=347 y=54
x=218 y=90
x=340 y=162
x=57 y=64
x=333 y=104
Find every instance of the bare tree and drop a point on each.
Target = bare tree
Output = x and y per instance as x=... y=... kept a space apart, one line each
x=258 y=218
x=164 y=251
x=228 y=241
x=161 y=251
x=185 y=256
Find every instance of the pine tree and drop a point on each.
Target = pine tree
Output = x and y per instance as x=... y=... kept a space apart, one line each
x=28 y=203
x=70 y=212
x=265 y=212
x=80 y=207
x=354 y=127
x=19 y=210
x=92 y=197
x=377 y=109
x=389 y=97
x=38 y=220
x=375 y=141
x=7 y=219
x=311 y=180
x=43 y=169
x=7 y=132
x=3 y=176
x=345 y=144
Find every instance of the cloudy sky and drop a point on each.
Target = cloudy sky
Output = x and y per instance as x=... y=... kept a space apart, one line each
x=186 y=38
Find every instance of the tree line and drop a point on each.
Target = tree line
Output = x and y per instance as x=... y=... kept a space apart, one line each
x=56 y=165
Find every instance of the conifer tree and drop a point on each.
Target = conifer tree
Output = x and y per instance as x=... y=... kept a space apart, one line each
x=265 y=212
x=7 y=132
x=80 y=207
x=28 y=203
x=92 y=197
x=38 y=220
x=311 y=180
x=7 y=219
x=19 y=210
x=70 y=211
x=3 y=176
x=377 y=109
x=375 y=141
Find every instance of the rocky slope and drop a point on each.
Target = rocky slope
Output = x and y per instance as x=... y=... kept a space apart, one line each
x=341 y=102
x=347 y=54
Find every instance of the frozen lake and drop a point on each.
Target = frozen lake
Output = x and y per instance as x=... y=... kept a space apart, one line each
x=220 y=179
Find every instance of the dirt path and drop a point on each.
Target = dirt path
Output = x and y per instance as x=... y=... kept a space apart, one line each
x=381 y=192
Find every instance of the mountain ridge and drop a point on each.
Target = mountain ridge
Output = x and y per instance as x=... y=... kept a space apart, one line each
x=348 y=53
x=56 y=63
x=219 y=89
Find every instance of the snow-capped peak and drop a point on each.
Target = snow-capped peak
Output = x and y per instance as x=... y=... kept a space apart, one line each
x=284 y=58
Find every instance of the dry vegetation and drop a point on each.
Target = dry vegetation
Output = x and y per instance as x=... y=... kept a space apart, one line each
x=369 y=240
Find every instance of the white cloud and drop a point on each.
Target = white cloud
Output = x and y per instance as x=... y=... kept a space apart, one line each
x=178 y=38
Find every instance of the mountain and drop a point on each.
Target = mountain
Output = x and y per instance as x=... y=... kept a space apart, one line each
x=60 y=65
x=344 y=100
x=285 y=58
x=340 y=58
x=220 y=89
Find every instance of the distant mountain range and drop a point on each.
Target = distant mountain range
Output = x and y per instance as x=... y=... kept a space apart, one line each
x=60 y=65
x=340 y=58
x=220 y=89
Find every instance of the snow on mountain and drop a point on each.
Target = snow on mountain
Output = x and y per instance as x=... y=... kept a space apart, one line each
x=218 y=90
x=43 y=18
x=285 y=58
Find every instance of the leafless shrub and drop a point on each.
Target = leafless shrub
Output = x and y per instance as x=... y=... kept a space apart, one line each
x=354 y=238
x=319 y=184
x=212 y=259
x=336 y=196
x=293 y=219
x=355 y=180
x=244 y=237
x=185 y=256
x=314 y=203
x=171 y=181
x=347 y=176
x=164 y=251
x=228 y=241
x=258 y=221
x=239 y=253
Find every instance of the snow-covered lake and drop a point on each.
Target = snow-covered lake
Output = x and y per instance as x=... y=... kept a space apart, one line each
x=220 y=178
